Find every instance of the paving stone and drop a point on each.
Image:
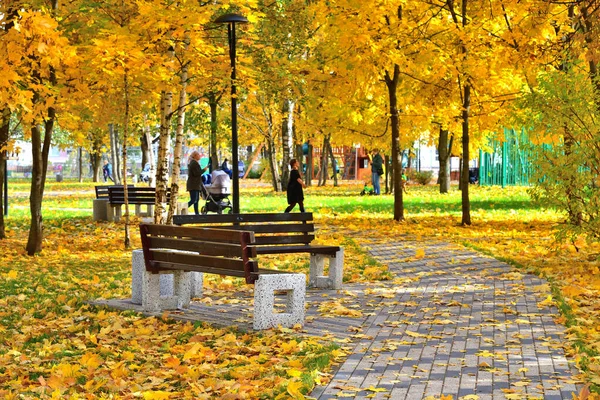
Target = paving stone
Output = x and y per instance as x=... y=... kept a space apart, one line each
x=399 y=343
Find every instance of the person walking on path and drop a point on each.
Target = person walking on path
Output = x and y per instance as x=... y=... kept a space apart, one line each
x=295 y=194
x=107 y=171
x=194 y=180
x=376 y=171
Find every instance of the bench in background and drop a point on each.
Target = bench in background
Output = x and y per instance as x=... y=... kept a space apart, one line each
x=281 y=233
x=100 y=203
x=181 y=251
x=138 y=196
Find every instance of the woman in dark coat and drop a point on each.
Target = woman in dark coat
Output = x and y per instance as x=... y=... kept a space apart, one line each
x=295 y=194
x=194 y=180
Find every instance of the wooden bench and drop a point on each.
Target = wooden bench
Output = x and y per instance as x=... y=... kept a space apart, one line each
x=179 y=251
x=137 y=196
x=281 y=233
x=102 y=190
x=100 y=203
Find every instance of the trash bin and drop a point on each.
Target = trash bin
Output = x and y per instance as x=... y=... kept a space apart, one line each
x=59 y=177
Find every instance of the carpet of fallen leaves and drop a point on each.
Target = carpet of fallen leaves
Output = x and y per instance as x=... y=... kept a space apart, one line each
x=54 y=345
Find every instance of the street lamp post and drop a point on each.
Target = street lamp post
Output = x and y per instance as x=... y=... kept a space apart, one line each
x=230 y=20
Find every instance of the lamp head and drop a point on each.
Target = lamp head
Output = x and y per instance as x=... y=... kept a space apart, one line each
x=231 y=18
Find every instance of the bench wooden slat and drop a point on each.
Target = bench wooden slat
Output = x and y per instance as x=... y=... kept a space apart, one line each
x=290 y=239
x=161 y=265
x=239 y=218
x=208 y=234
x=166 y=256
x=227 y=252
x=135 y=195
x=202 y=247
x=102 y=190
x=270 y=228
x=297 y=249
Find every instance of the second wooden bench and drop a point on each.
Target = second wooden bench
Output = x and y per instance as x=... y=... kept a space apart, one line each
x=281 y=233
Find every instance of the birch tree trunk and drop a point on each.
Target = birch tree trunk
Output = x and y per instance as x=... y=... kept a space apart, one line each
x=127 y=239
x=114 y=153
x=179 y=138
x=213 y=102
x=287 y=128
x=162 y=171
x=148 y=153
x=271 y=155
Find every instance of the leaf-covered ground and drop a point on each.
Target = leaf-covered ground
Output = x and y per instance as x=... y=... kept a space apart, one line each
x=52 y=344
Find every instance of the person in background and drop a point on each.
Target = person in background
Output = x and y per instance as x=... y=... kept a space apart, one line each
x=295 y=194
x=376 y=171
x=194 y=181
x=225 y=168
x=107 y=171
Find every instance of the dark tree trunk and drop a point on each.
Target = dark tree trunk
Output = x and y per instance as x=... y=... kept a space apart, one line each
x=323 y=169
x=444 y=151
x=40 y=151
x=80 y=163
x=388 y=173
x=309 y=165
x=464 y=178
x=11 y=15
x=4 y=132
x=333 y=163
x=96 y=160
x=392 y=86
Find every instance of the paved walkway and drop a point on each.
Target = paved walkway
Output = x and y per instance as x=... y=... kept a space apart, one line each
x=454 y=323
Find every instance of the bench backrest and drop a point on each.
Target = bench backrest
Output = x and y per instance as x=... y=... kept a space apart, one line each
x=102 y=190
x=219 y=251
x=135 y=195
x=269 y=228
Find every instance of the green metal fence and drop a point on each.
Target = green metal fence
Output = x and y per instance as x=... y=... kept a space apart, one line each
x=510 y=162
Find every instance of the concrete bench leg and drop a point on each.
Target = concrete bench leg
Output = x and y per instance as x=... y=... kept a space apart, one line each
x=100 y=210
x=182 y=208
x=148 y=213
x=264 y=300
x=336 y=271
x=113 y=213
x=138 y=268
x=152 y=301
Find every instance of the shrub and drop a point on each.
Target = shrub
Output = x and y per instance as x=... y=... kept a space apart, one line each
x=422 y=177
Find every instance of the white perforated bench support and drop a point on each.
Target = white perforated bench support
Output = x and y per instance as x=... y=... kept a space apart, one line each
x=264 y=299
x=153 y=301
x=336 y=270
x=138 y=268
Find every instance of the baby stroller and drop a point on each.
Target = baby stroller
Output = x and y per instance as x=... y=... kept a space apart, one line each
x=217 y=193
